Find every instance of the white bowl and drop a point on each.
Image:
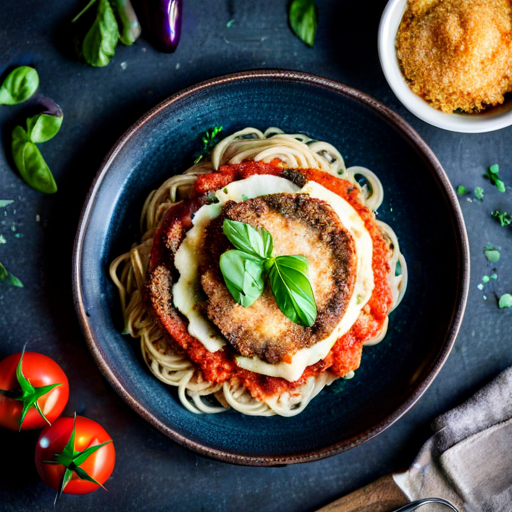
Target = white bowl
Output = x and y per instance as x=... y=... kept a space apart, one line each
x=499 y=117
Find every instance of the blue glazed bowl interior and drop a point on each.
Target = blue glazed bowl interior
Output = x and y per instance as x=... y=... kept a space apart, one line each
x=416 y=204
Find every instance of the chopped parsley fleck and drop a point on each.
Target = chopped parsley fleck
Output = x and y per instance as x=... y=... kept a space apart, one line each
x=209 y=141
x=492 y=254
x=461 y=190
x=398 y=269
x=2 y=239
x=485 y=279
x=244 y=197
x=480 y=286
x=505 y=301
x=504 y=217
x=5 y=202
x=493 y=177
x=485 y=297
x=225 y=190
x=479 y=193
x=494 y=276
x=230 y=23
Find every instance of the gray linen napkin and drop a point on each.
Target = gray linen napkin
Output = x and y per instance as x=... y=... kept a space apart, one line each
x=469 y=458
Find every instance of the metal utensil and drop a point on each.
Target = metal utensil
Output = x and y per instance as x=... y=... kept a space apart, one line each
x=415 y=504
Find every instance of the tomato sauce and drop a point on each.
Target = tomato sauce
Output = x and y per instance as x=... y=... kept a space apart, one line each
x=345 y=356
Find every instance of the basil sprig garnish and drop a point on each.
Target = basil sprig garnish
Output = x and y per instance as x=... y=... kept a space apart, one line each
x=19 y=86
x=303 y=16
x=209 y=141
x=115 y=21
x=246 y=269
x=27 y=157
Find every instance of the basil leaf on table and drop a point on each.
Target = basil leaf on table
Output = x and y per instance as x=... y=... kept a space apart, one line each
x=244 y=237
x=101 y=40
x=8 y=279
x=129 y=25
x=43 y=127
x=30 y=162
x=303 y=18
x=292 y=289
x=243 y=275
x=19 y=86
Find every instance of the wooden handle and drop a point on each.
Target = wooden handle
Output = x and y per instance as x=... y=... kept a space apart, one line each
x=382 y=495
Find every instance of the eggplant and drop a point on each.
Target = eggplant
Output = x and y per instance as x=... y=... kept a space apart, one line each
x=162 y=22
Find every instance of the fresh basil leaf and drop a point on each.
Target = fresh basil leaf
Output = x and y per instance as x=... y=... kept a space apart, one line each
x=303 y=18
x=209 y=141
x=243 y=275
x=244 y=237
x=292 y=289
x=30 y=163
x=100 y=42
x=8 y=279
x=505 y=301
x=129 y=24
x=19 y=86
x=43 y=127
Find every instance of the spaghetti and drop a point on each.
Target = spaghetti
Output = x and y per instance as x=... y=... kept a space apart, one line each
x=241 y=389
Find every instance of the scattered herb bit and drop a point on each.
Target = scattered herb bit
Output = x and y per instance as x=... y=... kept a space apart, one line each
x=5 y=202
x=209 y=140
x=230 y=23
x=244 y=197
x=398 y=268
x=485 y=279
x=2 y=239
x=303 y=17
x=492 y=254
x=479 y=193
x=505 y=301
x=99 y=44
x=461 y=190
x=19 y=86
x=504 y=218
x=245 y=270
x=27 y=157
x=480 y=286
x=225 y=190
x=8 y=279
x=493 y=177
x=494 y=276
x=484 y=297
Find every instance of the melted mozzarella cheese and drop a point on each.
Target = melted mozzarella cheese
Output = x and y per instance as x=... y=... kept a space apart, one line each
x=187 y=291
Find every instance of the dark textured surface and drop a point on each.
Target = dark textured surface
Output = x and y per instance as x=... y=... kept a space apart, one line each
x=153 y=473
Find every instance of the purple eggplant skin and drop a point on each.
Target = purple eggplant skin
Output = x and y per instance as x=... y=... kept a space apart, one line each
x=162 y=23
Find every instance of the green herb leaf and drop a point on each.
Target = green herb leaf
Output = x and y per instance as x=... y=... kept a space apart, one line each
x=492 y=255
x=504 y=218
x=292 y=289
x=461 y=190
x=243 y=275
x=128 y=22
x=479 y=193
x=30 y=163
x=303 y=17
x=8 y=279
x=43 y=127
x=492 y=176
x=19 y=86
x=244 y=237
x=100 y=42
x=209 y=141
x=505 y=301
x=5 y=202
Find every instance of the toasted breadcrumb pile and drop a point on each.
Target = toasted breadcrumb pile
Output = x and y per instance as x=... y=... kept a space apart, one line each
x=457 y=54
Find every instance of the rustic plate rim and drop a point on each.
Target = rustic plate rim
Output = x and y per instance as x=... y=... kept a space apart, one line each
x=457 y=314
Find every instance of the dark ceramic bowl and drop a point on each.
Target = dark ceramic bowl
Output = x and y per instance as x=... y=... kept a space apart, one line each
x=419 y=204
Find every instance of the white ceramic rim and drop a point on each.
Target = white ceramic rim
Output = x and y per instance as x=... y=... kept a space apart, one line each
x=389 y=23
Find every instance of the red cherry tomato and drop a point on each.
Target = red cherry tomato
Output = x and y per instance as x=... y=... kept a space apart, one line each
x=40 y=371
x=99 y=465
